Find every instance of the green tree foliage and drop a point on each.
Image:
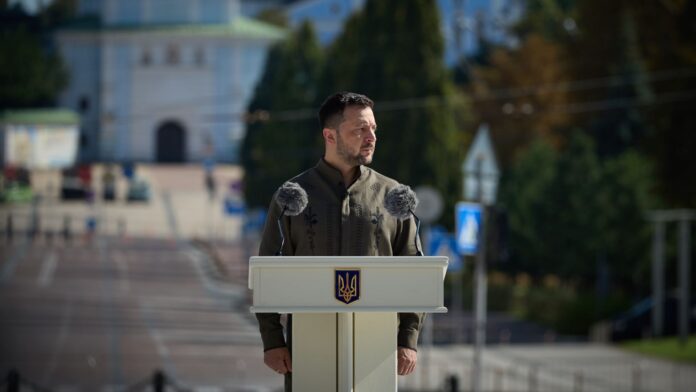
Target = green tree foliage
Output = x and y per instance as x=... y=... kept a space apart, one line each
x=636 y=59
x=627 y=191
x=573 y=219
x=393 y=52
x=523 y=193
x=31 y=72
x=29 y=76
x=568 y=211
x=286 y=143
x=627 y=76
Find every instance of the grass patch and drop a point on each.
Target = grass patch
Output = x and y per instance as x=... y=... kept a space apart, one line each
x=668 y=348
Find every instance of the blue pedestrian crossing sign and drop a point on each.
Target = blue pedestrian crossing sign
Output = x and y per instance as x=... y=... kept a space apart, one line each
x=468 y=227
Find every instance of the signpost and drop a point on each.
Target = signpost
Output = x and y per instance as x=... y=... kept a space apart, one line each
x=481 y=174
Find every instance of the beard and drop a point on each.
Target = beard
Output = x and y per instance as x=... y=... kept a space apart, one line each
x=352 y=158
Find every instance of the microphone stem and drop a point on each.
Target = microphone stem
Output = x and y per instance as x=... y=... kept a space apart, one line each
x=280 y=230
x=415 y=239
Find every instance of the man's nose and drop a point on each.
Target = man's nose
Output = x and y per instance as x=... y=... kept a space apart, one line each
x=370 y=136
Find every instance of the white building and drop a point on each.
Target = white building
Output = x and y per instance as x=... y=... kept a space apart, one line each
x=162 y=80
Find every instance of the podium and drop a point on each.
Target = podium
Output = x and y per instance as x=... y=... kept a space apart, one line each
x=344 y=309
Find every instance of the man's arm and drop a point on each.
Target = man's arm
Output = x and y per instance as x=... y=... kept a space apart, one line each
x=409 y=323
x=269 y=323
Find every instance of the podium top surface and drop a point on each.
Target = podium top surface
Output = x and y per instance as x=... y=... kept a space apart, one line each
x=292 y=284
x=350 y=261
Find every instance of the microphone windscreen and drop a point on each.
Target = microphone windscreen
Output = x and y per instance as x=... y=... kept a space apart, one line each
x=292 y=198
x=400 y=201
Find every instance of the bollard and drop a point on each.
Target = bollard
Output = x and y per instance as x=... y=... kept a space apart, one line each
x=9 y=228
x=66 y=229
x=635 y=379
x=452 y=383
x=13 y=381
x=121 y=227
x=158 y=381
x=35 y=229
x=533 y=378
x=498 y=377
x=577 y=382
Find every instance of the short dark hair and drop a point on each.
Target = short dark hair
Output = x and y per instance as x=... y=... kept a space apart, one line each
x=331 y=111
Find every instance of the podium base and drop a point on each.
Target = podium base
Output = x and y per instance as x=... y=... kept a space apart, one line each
x=344 y=352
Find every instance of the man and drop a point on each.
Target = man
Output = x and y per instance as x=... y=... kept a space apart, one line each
x=344 y=217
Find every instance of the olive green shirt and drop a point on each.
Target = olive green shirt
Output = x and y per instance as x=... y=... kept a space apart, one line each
x=340 y=221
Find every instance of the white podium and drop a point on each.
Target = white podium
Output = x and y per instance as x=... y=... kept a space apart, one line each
x=344 y=310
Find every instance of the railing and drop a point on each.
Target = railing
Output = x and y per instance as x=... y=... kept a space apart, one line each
x=157 y=382
x=595 y=377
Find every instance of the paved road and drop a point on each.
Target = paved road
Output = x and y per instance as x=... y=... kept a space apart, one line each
x=104 y=316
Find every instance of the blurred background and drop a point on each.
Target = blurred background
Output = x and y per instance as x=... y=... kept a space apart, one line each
x=141 y=141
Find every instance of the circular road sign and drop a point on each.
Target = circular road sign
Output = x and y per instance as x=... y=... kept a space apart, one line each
x=430 y=203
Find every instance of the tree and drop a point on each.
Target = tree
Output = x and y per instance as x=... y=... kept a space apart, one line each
x=393 y=52
x=286 y=143
x=627 y=190
x=29 y=76
x=31 y=72
x=568 y=212
x=522 y=194
x=573 y=220
x=519 y=96
x=643 y=48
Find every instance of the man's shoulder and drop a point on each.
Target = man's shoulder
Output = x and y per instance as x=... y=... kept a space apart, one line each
x=305 y=178
x=378 y=177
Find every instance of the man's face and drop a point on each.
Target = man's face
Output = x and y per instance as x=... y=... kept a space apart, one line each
x=355 y=137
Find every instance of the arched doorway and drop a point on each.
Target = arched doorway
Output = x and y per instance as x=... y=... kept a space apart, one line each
x=171 y=142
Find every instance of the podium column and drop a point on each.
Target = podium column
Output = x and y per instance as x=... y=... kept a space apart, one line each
x=345 y=351
x=314 y=352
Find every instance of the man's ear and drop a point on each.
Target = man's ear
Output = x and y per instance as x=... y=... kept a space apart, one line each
x=329 y=135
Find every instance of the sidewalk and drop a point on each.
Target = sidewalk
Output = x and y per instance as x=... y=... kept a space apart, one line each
x=178 y=205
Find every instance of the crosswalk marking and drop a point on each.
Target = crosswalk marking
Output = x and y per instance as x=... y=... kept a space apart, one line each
x=48 y=269
x=122 y=266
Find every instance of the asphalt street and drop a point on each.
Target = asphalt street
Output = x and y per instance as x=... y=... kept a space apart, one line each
x=106 y=315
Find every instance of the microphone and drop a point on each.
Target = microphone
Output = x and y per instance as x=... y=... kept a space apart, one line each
x=401 y=203
x=292 y=200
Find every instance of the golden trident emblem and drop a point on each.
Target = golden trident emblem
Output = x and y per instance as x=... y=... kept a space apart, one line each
x=347 y=286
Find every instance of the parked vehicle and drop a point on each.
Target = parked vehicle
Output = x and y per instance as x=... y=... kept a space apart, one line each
x=138 y=191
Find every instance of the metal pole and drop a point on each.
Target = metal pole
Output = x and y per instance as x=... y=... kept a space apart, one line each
x=457 y=306
x=480 y=295
x=658 y=277
x=684 y=274
x=159 y=381
x=425 y=353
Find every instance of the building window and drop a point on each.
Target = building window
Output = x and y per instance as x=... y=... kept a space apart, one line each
x=172 y=55
x=146 y=58
x=83 y=104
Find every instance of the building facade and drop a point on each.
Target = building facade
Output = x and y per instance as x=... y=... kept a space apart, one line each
x=162 y=80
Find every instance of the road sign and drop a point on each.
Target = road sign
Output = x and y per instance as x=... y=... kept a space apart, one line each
x=468 y=227
x=480 y=169
x=430 y=204
x=442 y=243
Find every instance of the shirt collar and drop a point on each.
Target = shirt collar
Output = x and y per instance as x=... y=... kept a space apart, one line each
x=334 y=175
